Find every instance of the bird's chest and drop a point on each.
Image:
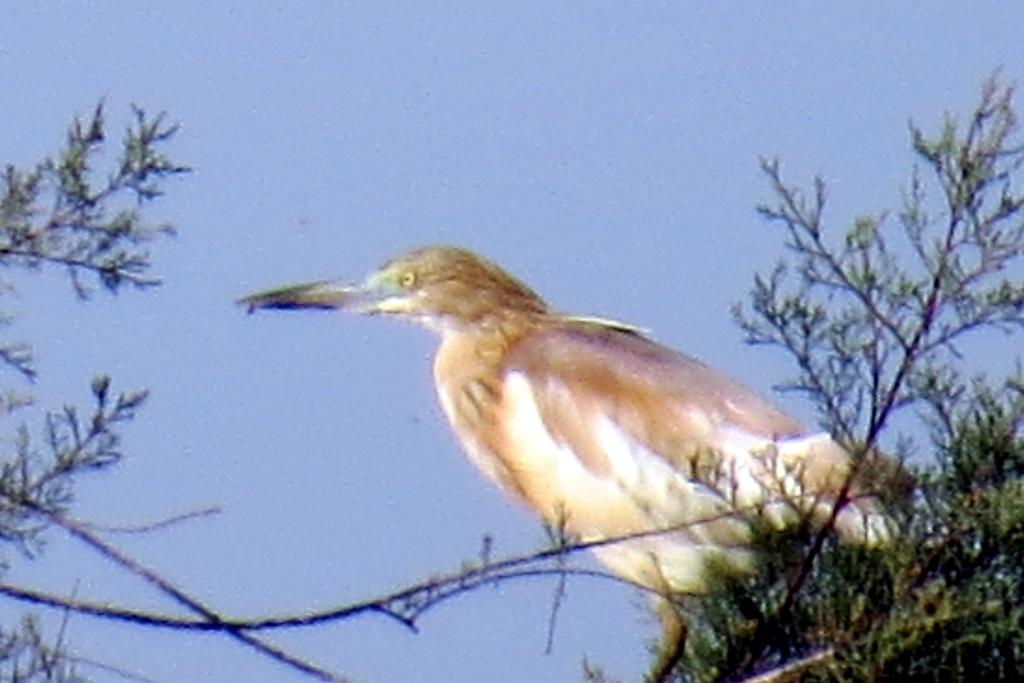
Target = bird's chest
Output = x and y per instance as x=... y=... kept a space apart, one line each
x=567 y=472
x=468 y=379
x=492 y=413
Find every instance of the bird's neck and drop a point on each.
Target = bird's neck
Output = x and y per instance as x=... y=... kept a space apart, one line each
x=477 y=351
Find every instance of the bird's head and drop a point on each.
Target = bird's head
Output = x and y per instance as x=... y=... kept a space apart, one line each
x=441 y=287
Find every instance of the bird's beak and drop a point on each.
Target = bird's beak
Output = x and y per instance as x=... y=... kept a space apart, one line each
x=378 y=294
x=325 y=294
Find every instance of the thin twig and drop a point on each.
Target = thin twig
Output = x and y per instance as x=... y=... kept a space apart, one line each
x=791 y=671
x=155 y=525
x=82 y=533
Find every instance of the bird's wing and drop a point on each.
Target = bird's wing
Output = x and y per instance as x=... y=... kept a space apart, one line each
x=658 y=396
x=657 y=424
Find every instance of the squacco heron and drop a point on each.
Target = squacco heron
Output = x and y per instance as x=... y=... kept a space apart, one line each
x=605 y=433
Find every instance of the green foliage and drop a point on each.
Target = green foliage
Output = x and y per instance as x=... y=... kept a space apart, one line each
x=63 y=212
x=944 y=603
x=36 y=480
x=875 y=319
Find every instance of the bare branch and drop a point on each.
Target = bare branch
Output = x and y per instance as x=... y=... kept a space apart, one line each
x=156 y=525
x=193 y=604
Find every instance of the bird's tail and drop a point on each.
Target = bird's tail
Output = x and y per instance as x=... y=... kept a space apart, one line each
x=837 y=486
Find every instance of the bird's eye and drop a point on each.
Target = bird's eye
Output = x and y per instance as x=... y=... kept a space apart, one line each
x=407 y=280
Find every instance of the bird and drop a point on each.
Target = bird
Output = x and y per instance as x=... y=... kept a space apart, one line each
x=606 y=434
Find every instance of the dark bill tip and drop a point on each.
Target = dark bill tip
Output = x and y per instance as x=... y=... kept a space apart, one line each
x=319 y=295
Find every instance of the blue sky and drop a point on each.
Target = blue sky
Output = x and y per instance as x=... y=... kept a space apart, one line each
x=606 y=153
